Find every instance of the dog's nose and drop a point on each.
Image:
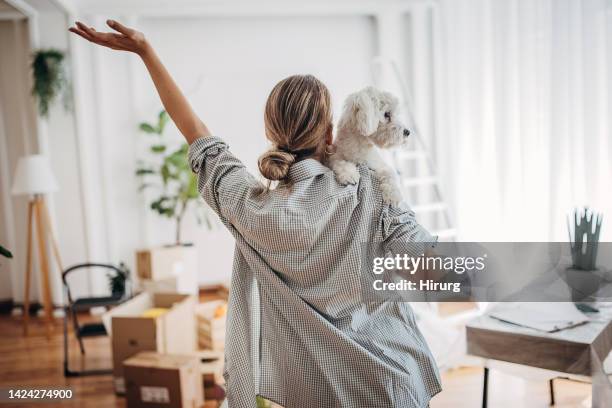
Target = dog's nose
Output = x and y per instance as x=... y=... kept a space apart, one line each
x=406 y=133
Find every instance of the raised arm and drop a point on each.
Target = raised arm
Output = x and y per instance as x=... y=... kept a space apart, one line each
x=175 y=103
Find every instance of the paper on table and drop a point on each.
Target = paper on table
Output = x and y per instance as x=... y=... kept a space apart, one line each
x=543 y=316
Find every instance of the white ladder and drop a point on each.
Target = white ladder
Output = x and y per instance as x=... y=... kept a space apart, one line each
x=415 y=166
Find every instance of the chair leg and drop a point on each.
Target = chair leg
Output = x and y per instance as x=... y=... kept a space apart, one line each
x=66 y=356
x=485 y=387
x=551 y=387
x=75 y=323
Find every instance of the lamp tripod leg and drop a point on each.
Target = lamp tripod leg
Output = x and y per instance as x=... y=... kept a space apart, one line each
x=54 y=247
x=28 y=274
x=44 y=265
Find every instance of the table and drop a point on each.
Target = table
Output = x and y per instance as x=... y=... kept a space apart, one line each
x=579 y=350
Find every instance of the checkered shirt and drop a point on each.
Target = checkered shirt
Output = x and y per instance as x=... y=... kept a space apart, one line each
x=298 y=332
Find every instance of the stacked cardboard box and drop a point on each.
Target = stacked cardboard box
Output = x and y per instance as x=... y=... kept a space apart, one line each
x=160 y=322
x=211 y=367
x=210 y=318
x=168 y=267
x=169 y=380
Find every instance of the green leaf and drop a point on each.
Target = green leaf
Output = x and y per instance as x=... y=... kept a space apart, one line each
x=192 y=189
x=5 y=252
x=147 y=128
x=142 y=172
x=162 y=121
x=158 y=148
x=179 y=186
x=165 y=173
x=179 y=160
x=165 y=206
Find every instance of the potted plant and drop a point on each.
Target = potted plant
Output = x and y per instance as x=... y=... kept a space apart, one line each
x=170 y=174
x=50 y=79
x=117 y=281
x=584 y=226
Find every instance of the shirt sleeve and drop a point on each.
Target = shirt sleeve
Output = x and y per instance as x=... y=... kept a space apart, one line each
x=402 y=234
x=223 y=180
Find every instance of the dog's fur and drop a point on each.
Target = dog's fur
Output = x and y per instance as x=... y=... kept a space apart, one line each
x=369 y=122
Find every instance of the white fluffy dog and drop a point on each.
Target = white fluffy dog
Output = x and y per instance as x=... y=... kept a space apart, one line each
x=369 y=122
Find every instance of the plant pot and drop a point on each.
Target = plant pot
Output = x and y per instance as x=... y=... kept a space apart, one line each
x=583 y=284
x=118 y=294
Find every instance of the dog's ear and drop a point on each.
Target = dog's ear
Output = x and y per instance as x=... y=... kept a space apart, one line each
x=362 y=108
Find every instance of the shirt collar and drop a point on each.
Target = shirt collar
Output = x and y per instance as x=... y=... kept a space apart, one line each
x=305 y=169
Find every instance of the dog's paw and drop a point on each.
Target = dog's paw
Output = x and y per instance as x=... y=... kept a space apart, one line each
x=391 y=194
x=346 y=172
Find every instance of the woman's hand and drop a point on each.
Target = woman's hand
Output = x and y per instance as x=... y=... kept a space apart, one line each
x=175 y=103
x=125 y=39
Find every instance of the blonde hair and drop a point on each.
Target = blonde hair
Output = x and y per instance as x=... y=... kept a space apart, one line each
x=297 y=118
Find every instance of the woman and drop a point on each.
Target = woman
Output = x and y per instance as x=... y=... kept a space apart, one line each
x=299 y=332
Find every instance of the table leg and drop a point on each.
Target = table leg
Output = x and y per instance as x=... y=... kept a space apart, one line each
x=485 y=387
x=551 y=387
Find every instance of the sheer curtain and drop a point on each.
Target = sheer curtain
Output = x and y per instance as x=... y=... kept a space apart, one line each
x=523 y=114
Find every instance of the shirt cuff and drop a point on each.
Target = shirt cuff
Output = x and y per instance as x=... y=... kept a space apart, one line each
x=204 y=147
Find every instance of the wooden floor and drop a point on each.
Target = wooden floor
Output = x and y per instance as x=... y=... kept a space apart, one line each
x=36 y=361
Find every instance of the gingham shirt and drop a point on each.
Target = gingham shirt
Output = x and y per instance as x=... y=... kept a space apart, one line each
x=298 y=332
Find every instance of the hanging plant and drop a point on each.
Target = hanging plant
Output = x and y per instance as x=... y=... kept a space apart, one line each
x=50 y=79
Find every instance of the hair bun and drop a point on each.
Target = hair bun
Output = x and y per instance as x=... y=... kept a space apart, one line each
x=275 y=164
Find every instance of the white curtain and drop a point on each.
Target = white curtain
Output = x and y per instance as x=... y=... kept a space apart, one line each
x=523 y=114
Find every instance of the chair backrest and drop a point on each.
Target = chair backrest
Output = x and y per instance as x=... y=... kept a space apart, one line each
x=84 y=266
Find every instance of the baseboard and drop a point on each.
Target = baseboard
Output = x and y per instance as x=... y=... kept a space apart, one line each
x=6 y=306
x=34 y=306
x=208 y=292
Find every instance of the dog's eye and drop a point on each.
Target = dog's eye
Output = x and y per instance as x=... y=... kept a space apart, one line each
x=388 y=115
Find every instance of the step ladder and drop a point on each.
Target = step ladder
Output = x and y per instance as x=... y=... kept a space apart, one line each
x=416 y=168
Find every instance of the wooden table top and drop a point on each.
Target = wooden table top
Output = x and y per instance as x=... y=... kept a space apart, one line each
x=576 y=350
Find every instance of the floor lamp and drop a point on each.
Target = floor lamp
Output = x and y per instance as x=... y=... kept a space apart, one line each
x=34 y=178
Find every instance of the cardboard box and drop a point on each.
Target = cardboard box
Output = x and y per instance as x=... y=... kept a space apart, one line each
x=211 y=366
x=168 y=380
x=210 y=319
x=180 y=262
x=173 y=331
x=167 y=285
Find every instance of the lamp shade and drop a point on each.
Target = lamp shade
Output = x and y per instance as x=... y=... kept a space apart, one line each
x=34 y=176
